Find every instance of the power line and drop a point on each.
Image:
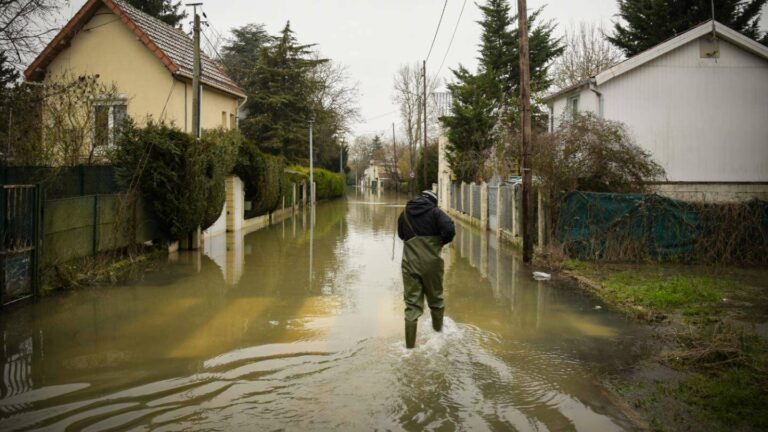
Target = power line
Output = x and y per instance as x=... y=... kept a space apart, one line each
x=450 y=43
x=434 y=38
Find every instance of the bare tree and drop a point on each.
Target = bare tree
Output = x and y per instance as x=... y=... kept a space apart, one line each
x=408 y=93
x=25 y=25
x=587 y=53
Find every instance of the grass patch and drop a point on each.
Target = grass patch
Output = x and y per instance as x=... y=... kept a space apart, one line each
x=691 y=294
x=737 y=397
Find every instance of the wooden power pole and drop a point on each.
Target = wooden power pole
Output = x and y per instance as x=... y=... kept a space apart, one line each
x=525 y=105
x=196 y=111
x=424 y=101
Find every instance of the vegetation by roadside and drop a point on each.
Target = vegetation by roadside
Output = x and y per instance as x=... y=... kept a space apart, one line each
x=104 y=269
x=713 y=324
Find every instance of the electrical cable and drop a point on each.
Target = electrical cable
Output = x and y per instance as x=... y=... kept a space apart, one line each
x=434 y=38
x=450 y=43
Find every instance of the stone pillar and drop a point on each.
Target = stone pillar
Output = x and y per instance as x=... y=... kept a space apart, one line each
x=484 y=206
x=461 y=198
x=293 y=201
x=235 y=203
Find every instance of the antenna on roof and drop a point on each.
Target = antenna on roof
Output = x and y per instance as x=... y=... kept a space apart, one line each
x=712 y=5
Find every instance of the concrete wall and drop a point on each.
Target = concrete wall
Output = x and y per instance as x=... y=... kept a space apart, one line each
x=112 y=51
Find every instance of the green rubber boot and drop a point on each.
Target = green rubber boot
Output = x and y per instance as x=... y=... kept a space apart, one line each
x=410 y=334
x=437 y=319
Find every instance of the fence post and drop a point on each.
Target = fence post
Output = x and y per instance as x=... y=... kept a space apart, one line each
x=471 y=199
x=542 y=220
x=95 y=248
x=484 y=206
x=2 y=243
x=515 y=219
x=37 y=252
x=499 y=211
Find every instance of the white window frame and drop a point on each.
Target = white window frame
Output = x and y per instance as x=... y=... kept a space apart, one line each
x=110 y=101
x=572 y=105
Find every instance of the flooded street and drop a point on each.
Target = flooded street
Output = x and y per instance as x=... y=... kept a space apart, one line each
x=300 y=327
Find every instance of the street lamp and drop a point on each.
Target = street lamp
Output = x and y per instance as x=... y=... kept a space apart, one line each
x=311 y=163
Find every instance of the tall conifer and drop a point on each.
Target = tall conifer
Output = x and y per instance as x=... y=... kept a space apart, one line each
x=646 y=23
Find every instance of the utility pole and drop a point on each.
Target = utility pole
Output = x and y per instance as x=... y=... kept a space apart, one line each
x=525 y=104
x=311 y=164
x=196 y=111
x=341 y=159
x=424 y=101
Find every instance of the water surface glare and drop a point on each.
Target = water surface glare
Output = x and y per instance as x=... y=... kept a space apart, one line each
x=300 y=327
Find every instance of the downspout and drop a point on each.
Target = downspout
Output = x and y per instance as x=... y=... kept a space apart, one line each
x=593 y=87
x=239 y=107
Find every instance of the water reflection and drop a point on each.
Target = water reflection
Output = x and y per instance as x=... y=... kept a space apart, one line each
x=299 y=326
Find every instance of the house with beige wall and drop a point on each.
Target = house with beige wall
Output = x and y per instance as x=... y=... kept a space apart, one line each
x=148 y=61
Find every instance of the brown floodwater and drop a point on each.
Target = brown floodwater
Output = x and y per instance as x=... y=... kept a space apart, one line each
x=300 y=327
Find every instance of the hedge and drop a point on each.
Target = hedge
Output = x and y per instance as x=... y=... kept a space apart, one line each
x=329 y=184
x=181 y=178
x=262 y=176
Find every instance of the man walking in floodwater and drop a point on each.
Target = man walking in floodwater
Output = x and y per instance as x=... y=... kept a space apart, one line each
x=424 y=229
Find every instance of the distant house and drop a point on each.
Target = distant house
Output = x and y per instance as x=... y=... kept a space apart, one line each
x=379 y=173
x=698 y=104
x=149 y=61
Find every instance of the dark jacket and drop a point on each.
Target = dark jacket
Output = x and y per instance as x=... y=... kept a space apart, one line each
x=427 y=220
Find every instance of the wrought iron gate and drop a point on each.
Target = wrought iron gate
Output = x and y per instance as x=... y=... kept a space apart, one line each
x=20 y=240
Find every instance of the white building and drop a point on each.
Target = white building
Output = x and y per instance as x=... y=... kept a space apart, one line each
x=378 y=175
x=698 y=104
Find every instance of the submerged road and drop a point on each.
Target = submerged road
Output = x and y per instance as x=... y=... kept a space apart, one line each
x=300 y=327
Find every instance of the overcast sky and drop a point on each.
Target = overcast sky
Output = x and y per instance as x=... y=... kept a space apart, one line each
x=374 y=37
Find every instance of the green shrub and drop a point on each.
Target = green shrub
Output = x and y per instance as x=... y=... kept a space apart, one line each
x=262 y=176
x=221 y=147
x=181 y=178
x=329 y=184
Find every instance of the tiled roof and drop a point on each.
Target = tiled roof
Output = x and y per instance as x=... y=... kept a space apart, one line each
x=172 y=46
x=179 y=48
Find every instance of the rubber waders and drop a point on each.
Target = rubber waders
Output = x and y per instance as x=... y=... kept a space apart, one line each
x=410 y=334
x=437 y=319
x=422 y=269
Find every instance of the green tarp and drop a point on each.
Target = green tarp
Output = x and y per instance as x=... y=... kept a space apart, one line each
x=593 y=225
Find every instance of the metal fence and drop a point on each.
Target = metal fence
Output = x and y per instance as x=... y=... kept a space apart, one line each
x=506 y=202
x=465 y=199
x=476 y=201
x=62 y=182
x=19 y=241
x=493 y=221
x=84 y=226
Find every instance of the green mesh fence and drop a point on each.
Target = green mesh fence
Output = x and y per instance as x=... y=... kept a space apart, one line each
x=62 y=182
x=636 y=226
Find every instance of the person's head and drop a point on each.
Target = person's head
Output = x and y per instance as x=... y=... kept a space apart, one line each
x=431 y=196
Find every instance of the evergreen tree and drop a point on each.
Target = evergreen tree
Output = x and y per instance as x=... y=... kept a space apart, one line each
x=470 y=125
x=166 y=10
x=8 y=74
x=646 y=23
x=280 y=98
x=485 y=104
x=242 y=53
